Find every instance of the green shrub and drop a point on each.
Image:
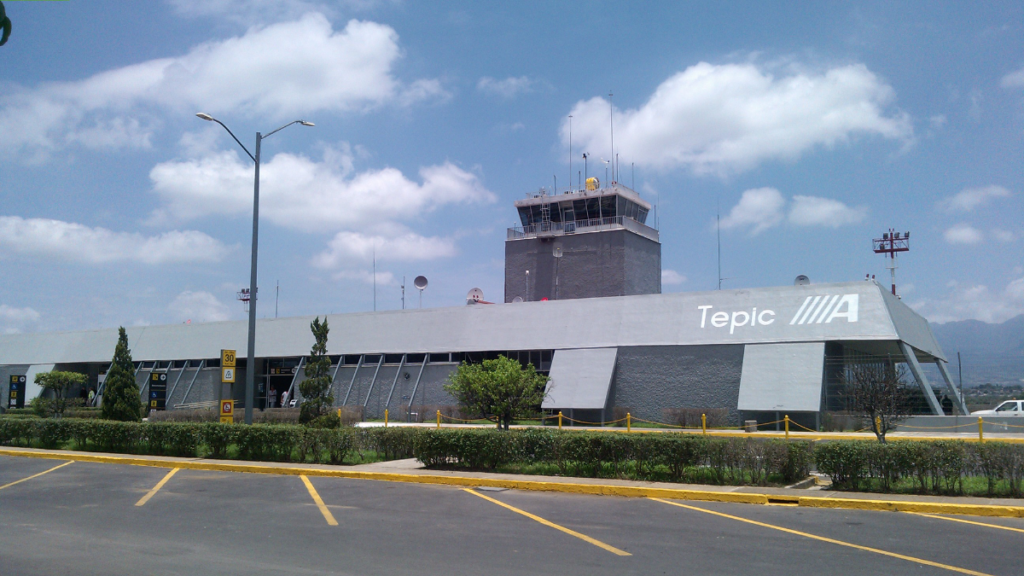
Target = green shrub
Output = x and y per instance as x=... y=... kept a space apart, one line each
x=843 y=461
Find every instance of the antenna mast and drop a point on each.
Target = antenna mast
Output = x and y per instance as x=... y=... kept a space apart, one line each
x=570 y=151
x=890 y=243
x=718 y=231
x=611 y=124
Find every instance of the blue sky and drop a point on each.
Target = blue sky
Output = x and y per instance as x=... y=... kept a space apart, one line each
x=811 y=127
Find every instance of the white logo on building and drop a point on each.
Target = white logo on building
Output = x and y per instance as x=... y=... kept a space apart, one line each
x=825 y=309
x=737 y=318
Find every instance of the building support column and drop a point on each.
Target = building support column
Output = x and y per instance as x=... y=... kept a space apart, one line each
x=922 y=381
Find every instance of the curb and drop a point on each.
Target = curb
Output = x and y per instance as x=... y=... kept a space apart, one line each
x=541 y=486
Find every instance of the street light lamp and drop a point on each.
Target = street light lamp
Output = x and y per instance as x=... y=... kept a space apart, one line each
x=250 y=366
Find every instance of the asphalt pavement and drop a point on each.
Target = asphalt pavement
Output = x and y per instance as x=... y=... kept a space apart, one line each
x=91 y=518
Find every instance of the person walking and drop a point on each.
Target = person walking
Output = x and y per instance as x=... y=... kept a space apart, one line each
x=284 y=399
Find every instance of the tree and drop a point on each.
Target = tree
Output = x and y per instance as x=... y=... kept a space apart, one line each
x=59 y=383
x=5 y=23
x=120 y=391
x=316 y=388
x=878 y=391
x=500 y=388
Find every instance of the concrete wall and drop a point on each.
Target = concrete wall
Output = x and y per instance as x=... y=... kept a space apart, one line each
x=649 y=379
x=593 y=264
x=966 y=424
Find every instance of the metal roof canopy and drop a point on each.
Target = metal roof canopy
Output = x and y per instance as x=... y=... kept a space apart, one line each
x=750 y=316
x=778 y=377
x=580 y=379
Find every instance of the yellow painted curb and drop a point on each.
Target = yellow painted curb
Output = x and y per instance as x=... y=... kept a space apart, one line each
x=920 y=507
x=540 y=486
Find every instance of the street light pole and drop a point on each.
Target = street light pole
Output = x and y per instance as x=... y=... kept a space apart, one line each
x=250 y=363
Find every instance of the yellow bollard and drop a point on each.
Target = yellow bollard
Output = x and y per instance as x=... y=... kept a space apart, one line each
x=704 y=424
x=438 y=419
x=385 y=417
x=339 y=412
x=787 y=426
x=629 y=422
x=878 y=424
x=560 y=419
x=981 y=430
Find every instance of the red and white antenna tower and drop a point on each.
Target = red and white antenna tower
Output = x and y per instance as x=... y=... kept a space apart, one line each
x=890 y=243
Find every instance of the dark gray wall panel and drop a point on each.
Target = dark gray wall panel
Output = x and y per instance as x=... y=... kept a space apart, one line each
x=649 y=379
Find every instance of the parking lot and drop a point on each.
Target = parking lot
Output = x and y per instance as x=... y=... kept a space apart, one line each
x=65 y=517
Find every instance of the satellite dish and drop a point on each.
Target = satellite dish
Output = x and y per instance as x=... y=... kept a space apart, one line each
x=801 y=280
x=420 y=282
x=517 y=299
x=475 y=295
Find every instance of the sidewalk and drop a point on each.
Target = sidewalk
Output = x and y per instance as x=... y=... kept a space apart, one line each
x=412 y=471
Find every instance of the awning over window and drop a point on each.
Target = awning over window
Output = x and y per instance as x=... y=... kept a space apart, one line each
x=580 y=379
x=779 y=377
x=31 y=388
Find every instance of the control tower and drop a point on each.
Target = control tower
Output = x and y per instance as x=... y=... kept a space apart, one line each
x=582 y=244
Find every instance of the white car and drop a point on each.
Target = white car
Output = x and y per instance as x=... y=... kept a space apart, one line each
x=1007 y=408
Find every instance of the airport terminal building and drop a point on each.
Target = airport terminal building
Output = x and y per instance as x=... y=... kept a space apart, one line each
x=583 y=304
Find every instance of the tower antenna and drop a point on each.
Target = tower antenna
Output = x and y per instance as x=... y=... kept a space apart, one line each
x=611 y=125
x=718 y=232
x=891 y=243
x=374 y=276
x=570 y=150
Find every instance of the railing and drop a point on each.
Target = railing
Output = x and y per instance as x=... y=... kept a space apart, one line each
x=588 y=225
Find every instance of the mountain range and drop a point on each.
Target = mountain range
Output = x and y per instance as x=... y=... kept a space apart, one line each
x=990 y=353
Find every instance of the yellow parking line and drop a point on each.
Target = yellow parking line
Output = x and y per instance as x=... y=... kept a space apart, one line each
x=36 y=475
x=968 y=522
x=319 y=503
x=157 y=488
x=583 y=537
x=829 y=540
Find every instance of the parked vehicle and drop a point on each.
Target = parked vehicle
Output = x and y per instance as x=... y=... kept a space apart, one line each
x=1007 y=408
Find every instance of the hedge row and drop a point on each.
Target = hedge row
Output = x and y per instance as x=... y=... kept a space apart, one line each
x=278 y=443
x=673 y=457
x=935 y=466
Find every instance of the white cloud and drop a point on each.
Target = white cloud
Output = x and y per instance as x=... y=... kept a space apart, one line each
x=732 y=117
x=977 y=302
x=13 y=320
x=72 y=242
x=937 y=121
x=348 y=247
x=760 y=208
x=508 y=88
x=11 y=314
x=302 y=194
x=198 y=307
x=1013 y=79
x=963 y=233
x=1003 y=235
x=282 y=71
x=252 y=11
x=671 y=278
x=814 y=211
x=366 y=276
x=970 y=198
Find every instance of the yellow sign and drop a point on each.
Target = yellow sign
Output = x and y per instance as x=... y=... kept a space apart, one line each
x=227 y=358
x=227 y=410
x=227 y=374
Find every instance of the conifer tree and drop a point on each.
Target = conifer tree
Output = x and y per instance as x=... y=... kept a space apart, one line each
x=316 y=388
x=120 y=391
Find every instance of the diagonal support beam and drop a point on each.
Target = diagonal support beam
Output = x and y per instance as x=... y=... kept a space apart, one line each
x=954 y=393
x=922 y=381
